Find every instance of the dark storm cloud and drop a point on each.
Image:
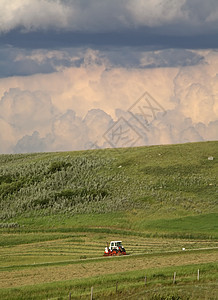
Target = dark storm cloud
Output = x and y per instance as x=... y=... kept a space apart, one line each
x=132 y=58
x=24 y=62
x=141 y=37
x=53 y=24
x=109 y=16
x=120 y=30
x=10 y=65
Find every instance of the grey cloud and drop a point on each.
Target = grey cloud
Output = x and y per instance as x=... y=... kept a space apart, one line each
x=171 y=127
x=72 y=133
x=24 y=62
x=202 y=14
x=174 y=128
x=149 y=38
x=69 y=132
x=21 y=62
x=159 y=24
x=170 y=58
x=31 y=143
x=33 y=15
x=107 y=16
x=208 y=132
x=139 y=58
x=190 y=135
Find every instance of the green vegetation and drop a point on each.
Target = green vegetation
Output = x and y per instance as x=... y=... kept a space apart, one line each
x=58 y=210
x=174 y=180
x=130 y=284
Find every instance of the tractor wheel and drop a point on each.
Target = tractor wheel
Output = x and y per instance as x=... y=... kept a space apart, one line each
x=114 y=252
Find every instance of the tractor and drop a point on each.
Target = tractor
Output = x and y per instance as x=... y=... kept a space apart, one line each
x=116 y=248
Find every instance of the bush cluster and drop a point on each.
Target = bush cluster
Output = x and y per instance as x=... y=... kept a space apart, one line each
x=57 y=184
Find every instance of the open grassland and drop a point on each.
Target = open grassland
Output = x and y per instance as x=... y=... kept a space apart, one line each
x=58 y=210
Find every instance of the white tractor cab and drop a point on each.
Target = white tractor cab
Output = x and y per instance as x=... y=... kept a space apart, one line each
x=115 y=245
x=115 y=248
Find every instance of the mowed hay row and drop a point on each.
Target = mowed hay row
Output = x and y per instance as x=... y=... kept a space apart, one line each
x=91 y=246
x=147 y=245
x=98 y=267
x=40 y=238
x=49 y=251
x=49 y=257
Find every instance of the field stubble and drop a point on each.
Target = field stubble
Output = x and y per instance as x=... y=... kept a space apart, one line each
x=78 y=257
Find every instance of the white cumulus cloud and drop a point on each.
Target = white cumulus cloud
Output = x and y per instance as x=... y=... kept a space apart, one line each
x=76 y=107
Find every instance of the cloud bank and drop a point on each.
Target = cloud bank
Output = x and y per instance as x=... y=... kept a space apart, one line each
x=24 y=62
x=151 y=24
x=79 y=74
x=90 y=106
x=108 y=16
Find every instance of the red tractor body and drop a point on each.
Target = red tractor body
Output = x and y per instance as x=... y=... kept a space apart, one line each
x=116 y=248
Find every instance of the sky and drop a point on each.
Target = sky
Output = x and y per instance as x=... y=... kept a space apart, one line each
x=90 y=74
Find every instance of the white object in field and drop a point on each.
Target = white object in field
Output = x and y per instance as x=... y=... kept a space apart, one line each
x=115 y=245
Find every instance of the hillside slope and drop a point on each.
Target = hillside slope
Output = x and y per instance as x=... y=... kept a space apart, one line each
x=146 y=188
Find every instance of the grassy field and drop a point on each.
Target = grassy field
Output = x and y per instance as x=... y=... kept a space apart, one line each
x=58 y=210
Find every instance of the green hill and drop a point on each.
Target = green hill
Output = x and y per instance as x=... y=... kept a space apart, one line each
x=58 y=210
x=163 y=189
